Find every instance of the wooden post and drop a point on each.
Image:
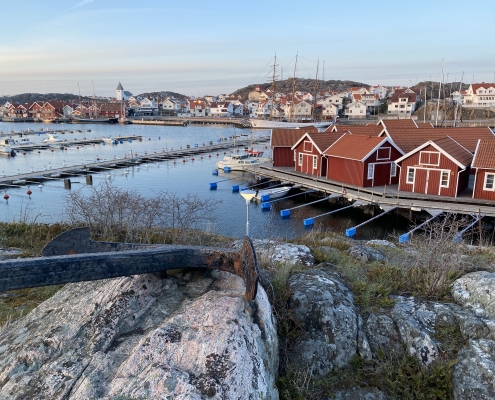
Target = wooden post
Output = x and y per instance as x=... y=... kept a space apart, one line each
x=67 y=183
x=89 y=179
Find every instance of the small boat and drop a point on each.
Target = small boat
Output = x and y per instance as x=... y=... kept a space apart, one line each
x=254 y=153
x=272 y=193
x=110 y=140
x=6 y=149
x=238 y=162
x=53 y=139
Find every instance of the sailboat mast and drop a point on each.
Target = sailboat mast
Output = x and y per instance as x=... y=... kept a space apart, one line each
x=273 y=86
x=439 y=90
x=316 y=90
x=457 y=105
x=293 y=88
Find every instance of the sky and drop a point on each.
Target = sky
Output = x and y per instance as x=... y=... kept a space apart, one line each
x=198 y=48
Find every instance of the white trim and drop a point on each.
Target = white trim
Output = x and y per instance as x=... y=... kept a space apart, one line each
x=384 y=148
x=304 y=146
x=429 y=158
x=430 y=143
x=300 y=159
x=372 y=172
x=485 y=189
x=315 y=162
x=413 y=177
x=476 y=152
x=447 y=171
x=394 y=170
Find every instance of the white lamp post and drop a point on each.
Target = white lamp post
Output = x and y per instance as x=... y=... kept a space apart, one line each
x=248 y=195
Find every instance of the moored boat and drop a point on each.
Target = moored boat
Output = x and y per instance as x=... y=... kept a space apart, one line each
x=53 y=139
x=272 y=193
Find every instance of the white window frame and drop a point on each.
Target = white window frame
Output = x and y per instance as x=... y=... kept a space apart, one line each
x=448 y=178
x=487 y=174
x=304 y=146
x=409 y=169
x=300 y=161
x=315 y=162
x=429 y=152
x=371 y=171
x=384 y=148
x=393 y=170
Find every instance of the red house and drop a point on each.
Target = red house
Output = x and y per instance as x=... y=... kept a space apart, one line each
x=439 y=167
x=484 y=170
x=282 y=141
x=363 y=160
x=308 y=152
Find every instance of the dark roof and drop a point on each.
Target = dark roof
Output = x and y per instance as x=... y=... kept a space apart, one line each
x=119 y=87
x=485 y=155
x=354 y=147
x=289 y=137
x=453 y=148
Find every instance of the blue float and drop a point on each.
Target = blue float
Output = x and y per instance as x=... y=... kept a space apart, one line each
x=226 y=169
x=285 y=213
x=350 y=232
x=196 y=145
x=213 y=185
x=235 y=188
x=265 y=197
x=214 y=172
x=149 y=138
x=121 y=141
x=309 y=221
x=265 y=206
x=130 y=140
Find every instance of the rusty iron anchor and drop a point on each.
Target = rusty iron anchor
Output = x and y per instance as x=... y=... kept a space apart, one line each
x=74 y=257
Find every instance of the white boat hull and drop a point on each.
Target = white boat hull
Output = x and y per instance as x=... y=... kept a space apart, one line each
x=274 y=193
x=237 y=166
x=265 y=124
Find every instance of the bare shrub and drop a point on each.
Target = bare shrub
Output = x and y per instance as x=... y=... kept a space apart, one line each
x=118 y=214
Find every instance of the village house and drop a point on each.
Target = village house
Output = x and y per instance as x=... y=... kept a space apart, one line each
x=356 y=110
x=254 y=95
x=484 y=170
x=264 y=109
x=308 y=152
x=197 y=108
x=148 y=107
x=380 y=90
x=281 y=143
x=122 y=94
x=330 y=112
x=363 y=160
x=438 y=167
x=480 y=95
x=221 y=109
x=402 y=104
x=112 y=110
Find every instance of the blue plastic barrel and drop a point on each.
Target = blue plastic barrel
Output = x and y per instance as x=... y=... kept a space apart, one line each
x=265 y=206
x=226 y=169
x=265 y=197
x=404 y=238
x=309 y=221
x=285 y=213
x=213 y=185
x=195 y=145
x=235 y=188
x=215 y=172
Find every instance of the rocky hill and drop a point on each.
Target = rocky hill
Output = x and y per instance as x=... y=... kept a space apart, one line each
x=303 y=85
x=432 y=89
x=30 y=97
x=161 y=95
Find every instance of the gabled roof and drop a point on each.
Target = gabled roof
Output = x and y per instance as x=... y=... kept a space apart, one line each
x=484 y=157
x=483 y=85
x=448 y=147
x=321 y=140
x=288 y=137
x=408 y=139
x=411 y=97
x=119 y=87
x=356 y=147
x=368 y=130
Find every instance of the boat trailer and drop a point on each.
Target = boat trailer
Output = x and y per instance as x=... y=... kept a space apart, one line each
x=74 y=257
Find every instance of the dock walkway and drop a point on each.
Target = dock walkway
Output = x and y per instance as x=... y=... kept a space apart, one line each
x=381 y=195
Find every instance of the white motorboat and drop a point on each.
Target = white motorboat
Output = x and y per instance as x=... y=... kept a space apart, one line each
x=109 y=140
x=5 y=148
x=53 y=139
x=239 y=161
x=272 y=193
x=266 y=124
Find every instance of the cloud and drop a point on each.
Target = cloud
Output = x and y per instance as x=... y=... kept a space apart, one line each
x=81 y=4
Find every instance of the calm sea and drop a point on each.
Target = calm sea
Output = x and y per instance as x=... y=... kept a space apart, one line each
x=47 y=204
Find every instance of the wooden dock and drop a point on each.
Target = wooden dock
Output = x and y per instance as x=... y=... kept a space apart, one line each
x=381 y=195
x=130 y=160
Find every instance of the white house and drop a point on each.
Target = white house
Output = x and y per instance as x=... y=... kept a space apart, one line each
x=380 y=90
x=356 y=110
x=402 y=104
x=480 y=95
x=308 y=97
x=197 y=108
x=369 y=100
x=330 y=111
x=252 y=108
x=221 y=109
x=148 y=107
x=264 y=109
x=122 y=94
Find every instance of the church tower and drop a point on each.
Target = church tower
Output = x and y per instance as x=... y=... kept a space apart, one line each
x=120 y=92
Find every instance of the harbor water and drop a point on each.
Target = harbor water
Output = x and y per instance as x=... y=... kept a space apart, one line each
x=47 y=204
